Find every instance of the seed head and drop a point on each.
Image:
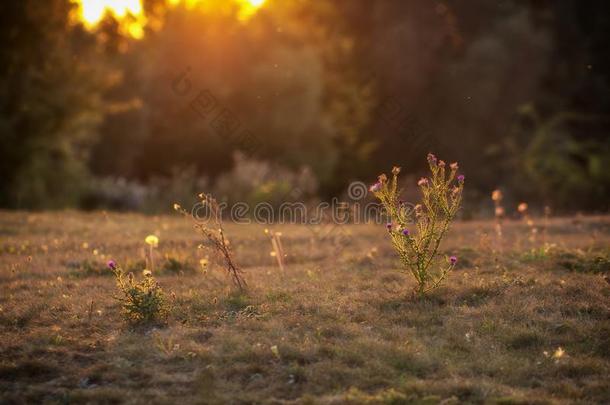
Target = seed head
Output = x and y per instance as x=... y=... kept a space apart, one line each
x=431 y=158
x=522 y=207
x=382 y=178
x=441 y=163
x=496 y=195
x=422 y=182
x=395 y=170
x=454 y=166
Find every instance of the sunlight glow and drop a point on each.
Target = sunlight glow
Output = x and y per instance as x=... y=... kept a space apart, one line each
x=130 y=13
x=248 y=8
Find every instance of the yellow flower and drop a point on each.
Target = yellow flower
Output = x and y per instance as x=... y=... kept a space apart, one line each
x=558 y=353
x=204 y=265
x=152 y=240
x=146 y=273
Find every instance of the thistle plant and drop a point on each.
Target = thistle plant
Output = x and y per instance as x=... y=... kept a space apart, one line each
x=499 y=212
x=522 y=208
x=142 y=301
x=216 y=237
x=417 y=233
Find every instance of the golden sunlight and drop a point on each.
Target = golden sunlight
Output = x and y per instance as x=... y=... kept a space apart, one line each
x=248 y=8
x=128 y=12
x=132 y=19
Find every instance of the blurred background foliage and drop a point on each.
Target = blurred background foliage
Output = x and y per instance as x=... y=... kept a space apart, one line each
x=322 y=92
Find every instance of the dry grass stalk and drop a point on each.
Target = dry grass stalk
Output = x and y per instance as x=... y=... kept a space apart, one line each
x=216 y=237
x=278 y=249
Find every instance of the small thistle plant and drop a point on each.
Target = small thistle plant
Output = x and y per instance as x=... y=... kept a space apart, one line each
x=522 y=208
x=142 y=301
x=417 y=233
x=499 y=212
x=216 y=237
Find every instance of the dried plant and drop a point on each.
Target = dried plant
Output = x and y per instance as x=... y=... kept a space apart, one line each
x=431 y=218
x=278 y=249
x=216 y=237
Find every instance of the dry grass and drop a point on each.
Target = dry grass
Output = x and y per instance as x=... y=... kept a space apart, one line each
x=341 y=326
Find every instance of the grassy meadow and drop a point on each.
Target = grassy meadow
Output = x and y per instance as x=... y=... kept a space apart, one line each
x=514 y=323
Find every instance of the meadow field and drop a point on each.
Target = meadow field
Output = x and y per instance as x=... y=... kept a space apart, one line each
x=517 y=321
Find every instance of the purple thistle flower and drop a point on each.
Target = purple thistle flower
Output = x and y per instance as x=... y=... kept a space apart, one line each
x=111 y=264
x=453 y=260
x=461 y=178
x=389 y=226
x=405 y=232
x=375 y=187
